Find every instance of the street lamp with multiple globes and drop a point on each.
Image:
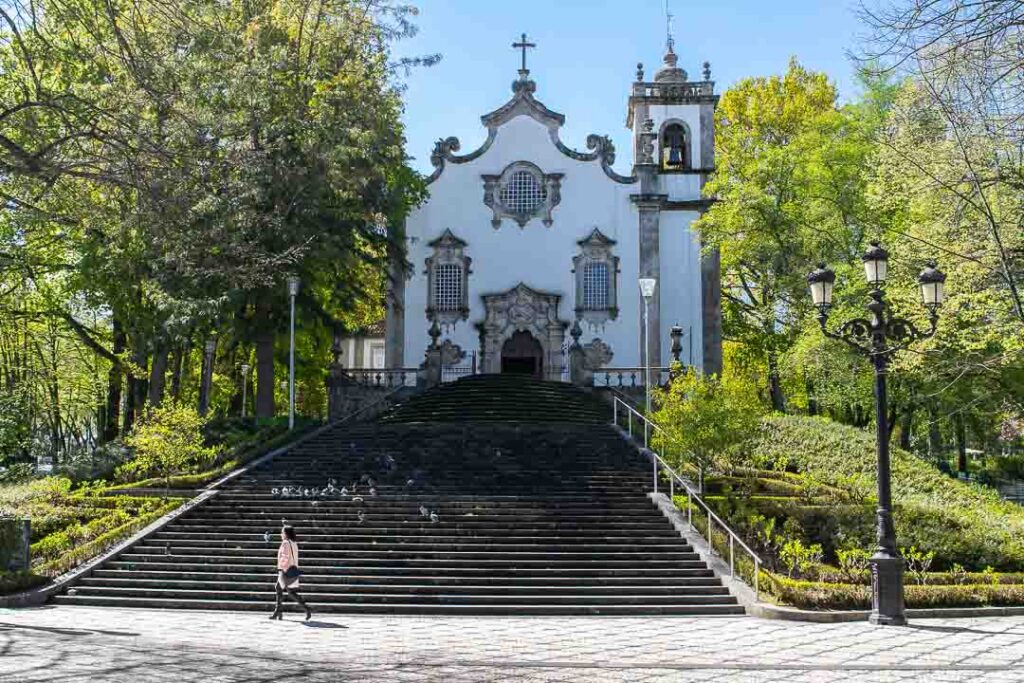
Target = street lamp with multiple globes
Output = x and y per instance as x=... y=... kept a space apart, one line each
x=879 y=338
x=647 y=287
x=293 y=290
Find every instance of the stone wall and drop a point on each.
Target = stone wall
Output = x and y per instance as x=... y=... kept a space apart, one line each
x=14 y=544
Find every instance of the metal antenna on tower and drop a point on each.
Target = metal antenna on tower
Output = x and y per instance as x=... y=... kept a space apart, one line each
x=670 y=42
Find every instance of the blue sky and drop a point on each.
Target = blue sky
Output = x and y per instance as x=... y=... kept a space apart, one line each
x=587 y=54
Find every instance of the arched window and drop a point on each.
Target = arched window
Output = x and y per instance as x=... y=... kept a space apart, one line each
x=595 y=286
x=523 y=193
x=675 y=148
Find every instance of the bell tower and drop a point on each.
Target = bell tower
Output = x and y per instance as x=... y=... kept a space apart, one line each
x=673 y=123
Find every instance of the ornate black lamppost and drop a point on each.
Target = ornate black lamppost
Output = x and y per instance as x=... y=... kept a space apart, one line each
x=879 y=338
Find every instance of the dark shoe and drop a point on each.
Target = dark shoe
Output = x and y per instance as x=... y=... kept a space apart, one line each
x=277 y=615
x=309 y=614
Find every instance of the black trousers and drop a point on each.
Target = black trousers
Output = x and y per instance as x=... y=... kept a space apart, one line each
x=293 y=594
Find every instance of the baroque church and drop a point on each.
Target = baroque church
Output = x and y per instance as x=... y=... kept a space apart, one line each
x=528 y=248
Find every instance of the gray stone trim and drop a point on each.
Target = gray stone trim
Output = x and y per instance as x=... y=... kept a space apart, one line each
x=493 y=185
x=523 y=103
x=603 y=149
x=687 y=205
x=711 y=311
x=444 y=151
x=448 y=250
x=523 y=308
x=597 y=248
x=649 y=207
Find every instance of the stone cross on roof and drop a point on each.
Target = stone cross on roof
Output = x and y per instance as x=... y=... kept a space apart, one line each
x=524 y=45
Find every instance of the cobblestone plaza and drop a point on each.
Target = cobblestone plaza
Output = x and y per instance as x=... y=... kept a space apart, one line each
x=105 y=644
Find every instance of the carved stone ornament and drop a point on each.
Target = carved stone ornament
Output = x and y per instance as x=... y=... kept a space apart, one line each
x=451 y=354
x=598 y=354
x=523 y=309
x=522 y=192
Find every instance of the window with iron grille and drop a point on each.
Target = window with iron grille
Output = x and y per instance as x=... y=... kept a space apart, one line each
x=595 y=286
x=523 y=193
x=448 y=287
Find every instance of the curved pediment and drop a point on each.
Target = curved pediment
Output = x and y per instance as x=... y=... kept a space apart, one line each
x=523 y=103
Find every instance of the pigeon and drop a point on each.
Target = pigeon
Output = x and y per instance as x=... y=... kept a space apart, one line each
x=362 y=516
x=306 y=493
x=410 y=482
x=167 y=550
x=434 y=518
x=72 y=592
x=424 y=512
x=284 y=522
x=285 y=492
x=357 y=499
x=266 y=537
x=373 y=491
x=344 y=491
x=275 y=492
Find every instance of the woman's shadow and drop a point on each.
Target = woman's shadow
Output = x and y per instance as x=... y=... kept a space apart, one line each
x=322 y=624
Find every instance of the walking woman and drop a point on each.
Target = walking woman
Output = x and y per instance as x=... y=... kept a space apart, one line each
x=288 y=572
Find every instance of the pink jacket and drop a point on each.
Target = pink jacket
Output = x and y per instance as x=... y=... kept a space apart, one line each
x=287 y=555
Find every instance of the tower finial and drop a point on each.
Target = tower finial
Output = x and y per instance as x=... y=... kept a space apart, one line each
x=670 y=41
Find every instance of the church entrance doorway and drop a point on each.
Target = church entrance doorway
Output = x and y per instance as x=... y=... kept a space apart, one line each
x=522 y=354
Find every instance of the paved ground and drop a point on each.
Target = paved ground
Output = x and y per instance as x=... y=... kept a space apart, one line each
x=89 y=644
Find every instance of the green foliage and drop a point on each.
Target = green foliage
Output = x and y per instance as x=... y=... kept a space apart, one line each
x=798 y=558
x=918 y=563
x=17 y=582
x=706 y=419
x=167 y=441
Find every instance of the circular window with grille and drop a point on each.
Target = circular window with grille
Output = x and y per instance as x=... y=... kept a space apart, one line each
x=523 y=192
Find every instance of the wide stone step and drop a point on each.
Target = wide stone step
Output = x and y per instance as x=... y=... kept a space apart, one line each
x=682 y=580
x=312 y=565
x=174 y=534
x=312 y=588
x=315 y=556
x=348 y=548
x=459 y=571
x=525 y=609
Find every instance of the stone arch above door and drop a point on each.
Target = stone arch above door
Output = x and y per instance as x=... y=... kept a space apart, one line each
x=523 y=309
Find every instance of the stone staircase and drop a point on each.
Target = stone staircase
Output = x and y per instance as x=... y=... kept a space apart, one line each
x=540 y=509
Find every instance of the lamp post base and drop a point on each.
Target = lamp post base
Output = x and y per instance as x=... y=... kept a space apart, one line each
x=887 y=607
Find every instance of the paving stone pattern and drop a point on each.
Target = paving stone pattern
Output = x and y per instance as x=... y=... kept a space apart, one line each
x=130 y=645
x=505 y=514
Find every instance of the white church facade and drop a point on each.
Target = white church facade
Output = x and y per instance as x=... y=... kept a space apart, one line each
x=527 y=248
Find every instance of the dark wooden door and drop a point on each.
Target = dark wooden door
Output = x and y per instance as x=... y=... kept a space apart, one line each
x=522 y=354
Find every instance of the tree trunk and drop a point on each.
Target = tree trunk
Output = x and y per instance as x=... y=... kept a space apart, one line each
x=264 y=364
x=775 y=384
x=206 y=375
x=112 y=413
x=157 y=376
x=960 y=435
x=935 y=451
x=136 y=386
x=181 y=354
x=906 y=426
x=812 y=400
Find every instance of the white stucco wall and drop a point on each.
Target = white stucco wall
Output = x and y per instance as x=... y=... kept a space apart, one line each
x=541 y=256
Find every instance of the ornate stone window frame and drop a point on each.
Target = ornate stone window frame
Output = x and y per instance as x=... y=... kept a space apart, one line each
x=494 y=188
x=449 y=250
x=596 y=248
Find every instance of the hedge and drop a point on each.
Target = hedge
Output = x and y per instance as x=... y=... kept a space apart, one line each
x=817 y=595
x=17 y=582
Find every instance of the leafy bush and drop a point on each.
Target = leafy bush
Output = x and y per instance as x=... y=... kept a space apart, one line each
x=959 y=522
x=168 y=440
x=16 y=582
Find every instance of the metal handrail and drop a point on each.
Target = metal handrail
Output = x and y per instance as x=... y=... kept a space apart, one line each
x=691 y=495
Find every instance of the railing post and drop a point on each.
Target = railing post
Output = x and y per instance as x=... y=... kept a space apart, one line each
x=732 y=560
x=711 y=542
x=654 y=459
x=689 y=508
x=757 y=578
x=672 y=488
x=646 y=429
x=630 y=424
x=615 y=412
